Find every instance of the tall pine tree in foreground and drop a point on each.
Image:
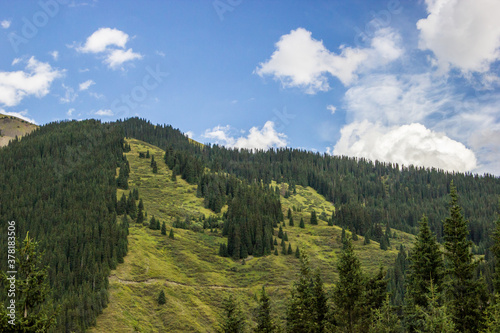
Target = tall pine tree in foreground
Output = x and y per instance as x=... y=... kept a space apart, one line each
x=426 y=268
x=349 y=290
x=233 y=320
x=33 y=313
x=461 y=289
x=493 y=312
x=264 y=320
x=307 y=307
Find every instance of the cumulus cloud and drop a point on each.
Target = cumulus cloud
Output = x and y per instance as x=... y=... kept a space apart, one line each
x=35 y=80
x=117 y=57
x=5 y=24
x=85 y=85
x=264 y=138
x=70 y=112
x=304 y=62
x=462 y=33
x=105 y=113
x=21 y=115
x=189 y=134
x=111 y=43
x=411 y=144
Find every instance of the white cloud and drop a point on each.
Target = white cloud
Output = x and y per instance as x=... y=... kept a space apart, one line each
x=264 y=138
x=16 y=61
x=102 y=38
x=111 y=43
x=331 y=108
x=96 y=95
x=105 y=113
x=116 y=58
x=5 y=24
x=189 y=134
x=70 y=112
x=69 y=94
x=411 y=144
x=304 y=62
x=35 y=80
x=22 y=115
x=85 y=85
x=396 y=100
x=160 y=53
x=55 y=55
x=462 y=33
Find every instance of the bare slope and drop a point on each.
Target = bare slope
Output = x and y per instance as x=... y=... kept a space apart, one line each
x=194 y=278
x=10 y=127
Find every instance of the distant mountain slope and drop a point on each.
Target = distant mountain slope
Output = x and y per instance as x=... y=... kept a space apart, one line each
x=11 y=126
x=193 y=276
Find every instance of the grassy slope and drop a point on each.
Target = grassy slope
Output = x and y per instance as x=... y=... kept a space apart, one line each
x=11 y=126
x=193 y=277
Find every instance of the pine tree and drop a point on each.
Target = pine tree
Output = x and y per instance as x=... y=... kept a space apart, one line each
x=280 y=233
x=285 y=237
x=302 y=225
x=349 y=290
x=152 y=223
x=233 y=320
x=289 y=215
x=161 y=298
x=171 y=234
x=434 y=317
x=495 y=249
x=366 y=241
x=461 y=289
x=140 y=213
x=264 y=322
x=163 y=228
x=290 y=251
x=426 y=267
x=290 y=222
x=386 y=320
x=297 y=252
x=276 y=251
x=33 y=312
x=314 y=218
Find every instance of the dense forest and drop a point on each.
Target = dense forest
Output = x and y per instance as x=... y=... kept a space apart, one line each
x=369 y=195
x=59 y=183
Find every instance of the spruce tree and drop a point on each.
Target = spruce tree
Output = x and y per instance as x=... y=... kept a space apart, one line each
x=314 y=218
x=302 y=225
x=349 y=289
x=461 y=289
x=276 y=251
x=386 y=320
x=264 y=321
x=280 y=233
x=233 y=320
x=426 y=267
x=289 y=215
x=290 y=251
x=285 y=237
x=290 y=222
x=140 y=212
x=163 y=228
x=434 y=317
x=171 y=234
x=34 y=313
x=297 y=252
x=161 y=298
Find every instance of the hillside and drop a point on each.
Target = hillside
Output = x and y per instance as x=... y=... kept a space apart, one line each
x=11 y=126
x=195 y=279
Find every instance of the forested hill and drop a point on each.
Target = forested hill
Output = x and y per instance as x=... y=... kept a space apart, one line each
x=367 y=194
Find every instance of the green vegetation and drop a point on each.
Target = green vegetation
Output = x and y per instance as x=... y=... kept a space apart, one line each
x=12 y=127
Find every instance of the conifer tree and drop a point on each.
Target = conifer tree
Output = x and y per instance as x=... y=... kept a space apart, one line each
x=426 y=268
x=280 y=233
x=290 y=251
x=461 y=289
x=264 y=321
x=366 y=241
x=163 y=228
x=349 y=289
x=171 y=234
x=297 y=252
x=386 y=320
x=161 y=298
x=33 y=312
x=302 y=225
x=140 y=212
x=152 y=223
x=290 y=222
x=434 y=317
x=285 y=237
x=314 y=218
x=289 y=215
x=276 y=251
x=233 y=320
x=307 y=305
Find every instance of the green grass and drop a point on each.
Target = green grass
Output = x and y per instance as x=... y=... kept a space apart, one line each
x=194 y=278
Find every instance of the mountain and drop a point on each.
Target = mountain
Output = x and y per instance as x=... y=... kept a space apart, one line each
x=11 y=126
x=96 y=196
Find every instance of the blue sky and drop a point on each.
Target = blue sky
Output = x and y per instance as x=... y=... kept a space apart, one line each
x=409 y=82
